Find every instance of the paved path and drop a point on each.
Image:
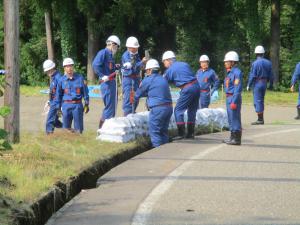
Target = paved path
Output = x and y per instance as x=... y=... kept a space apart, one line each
x=203 y=181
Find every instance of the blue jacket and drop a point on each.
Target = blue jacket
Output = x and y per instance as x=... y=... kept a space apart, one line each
x=179 y=73
x=296 y=74
x=233 y=84
x=208 y=78
x=261 y=69
x=135 y=62
x=104 y=63
x=71 y=90
x=156 y=89
x=54 y=80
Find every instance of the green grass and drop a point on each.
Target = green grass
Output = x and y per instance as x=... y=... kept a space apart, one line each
x=34 y=165
x=32 y=90
x=273 y=98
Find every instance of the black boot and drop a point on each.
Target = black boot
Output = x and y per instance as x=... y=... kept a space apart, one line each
x=236 y=140
x=228 y=140
x=101 y=122
x=181 y=132
x=298 y=116
x=260 y=119
x=190 y=131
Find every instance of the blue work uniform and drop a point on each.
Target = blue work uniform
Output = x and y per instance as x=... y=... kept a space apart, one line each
x=52 y=118
x=261 y=73
x=180 y=73
x=131 y=79
x=233 y=89
x=208 y=82
x=295 y=79
x=159 y=101
x=69 y=95
x=104 y=65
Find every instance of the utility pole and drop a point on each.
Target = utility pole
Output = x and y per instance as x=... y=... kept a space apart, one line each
x=11 y=62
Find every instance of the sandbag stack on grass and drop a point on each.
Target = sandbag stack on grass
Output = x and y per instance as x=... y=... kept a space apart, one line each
x=125 y=129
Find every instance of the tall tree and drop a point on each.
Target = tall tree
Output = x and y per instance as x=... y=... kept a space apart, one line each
x=67 y=10
x=93 y=10
x=48 y=24
x=275 y=38
x=11 y=61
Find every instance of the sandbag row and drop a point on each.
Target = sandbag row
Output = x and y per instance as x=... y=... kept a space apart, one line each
x=125 y=129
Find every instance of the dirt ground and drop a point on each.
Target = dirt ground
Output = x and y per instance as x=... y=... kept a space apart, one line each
x=33 y=118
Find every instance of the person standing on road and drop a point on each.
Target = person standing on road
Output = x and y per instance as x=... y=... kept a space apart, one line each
x=104 y=66
x=261 y=73
x=52 y=117
x=233 y=89
x=159 y=101
x=295 y=79
x=131 y=66
x=208 y=81
x=180 y=73
x=70 y=91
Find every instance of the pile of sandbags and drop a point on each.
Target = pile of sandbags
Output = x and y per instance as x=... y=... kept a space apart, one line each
x=125 y=129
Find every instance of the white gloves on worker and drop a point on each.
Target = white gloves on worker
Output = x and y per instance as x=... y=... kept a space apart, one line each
x=105 y=78
x=248 y=88
x=127 y=65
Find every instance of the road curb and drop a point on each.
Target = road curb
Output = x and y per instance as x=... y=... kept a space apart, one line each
x=41 y=210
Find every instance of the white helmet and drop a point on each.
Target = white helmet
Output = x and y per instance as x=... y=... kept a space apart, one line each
x=259 y=50
x=68 y=61
x=151 y=64
x=203 y=58
x=168 y=55
x=114 y=39
x=48 y=65
x=132 y=42
x=231 y=56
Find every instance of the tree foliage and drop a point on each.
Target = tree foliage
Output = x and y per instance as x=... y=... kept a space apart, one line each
x=189 y=28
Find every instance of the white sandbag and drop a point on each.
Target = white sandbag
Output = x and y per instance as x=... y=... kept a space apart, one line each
x=125 y=129
x=116 y=138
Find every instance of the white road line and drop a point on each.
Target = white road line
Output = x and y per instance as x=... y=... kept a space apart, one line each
x=145 y=208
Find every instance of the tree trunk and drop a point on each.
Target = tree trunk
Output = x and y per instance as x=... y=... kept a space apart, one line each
x=11 y=61
x=67 y=11
x=93 y=46
x=49 y=36
x=275 y=38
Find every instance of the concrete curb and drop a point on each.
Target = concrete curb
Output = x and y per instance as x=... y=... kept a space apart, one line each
x=41 y=210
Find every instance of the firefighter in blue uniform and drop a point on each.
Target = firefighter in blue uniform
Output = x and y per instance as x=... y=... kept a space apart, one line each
x=181 y=75
x=159 y=101
x=208 y=81
x=131 y=66
x=261 y=73
x=55 y=76
x=233 y=89
x=104 y=66
x=295 y=79
x=70 y=91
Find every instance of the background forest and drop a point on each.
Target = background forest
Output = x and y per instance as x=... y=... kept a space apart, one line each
x=190 y=28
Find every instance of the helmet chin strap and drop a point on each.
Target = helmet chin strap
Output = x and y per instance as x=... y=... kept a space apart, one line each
x=133 y=53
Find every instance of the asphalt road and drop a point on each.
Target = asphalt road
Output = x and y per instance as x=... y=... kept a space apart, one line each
x=202 y=181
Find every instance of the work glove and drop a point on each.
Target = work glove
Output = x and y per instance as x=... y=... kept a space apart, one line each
x=118 y=66
x=86 y=108
x=59 y=113
x=292 y=88
x=105 y=78
x=248 y=88
x=233 y=106
x=127 y=65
